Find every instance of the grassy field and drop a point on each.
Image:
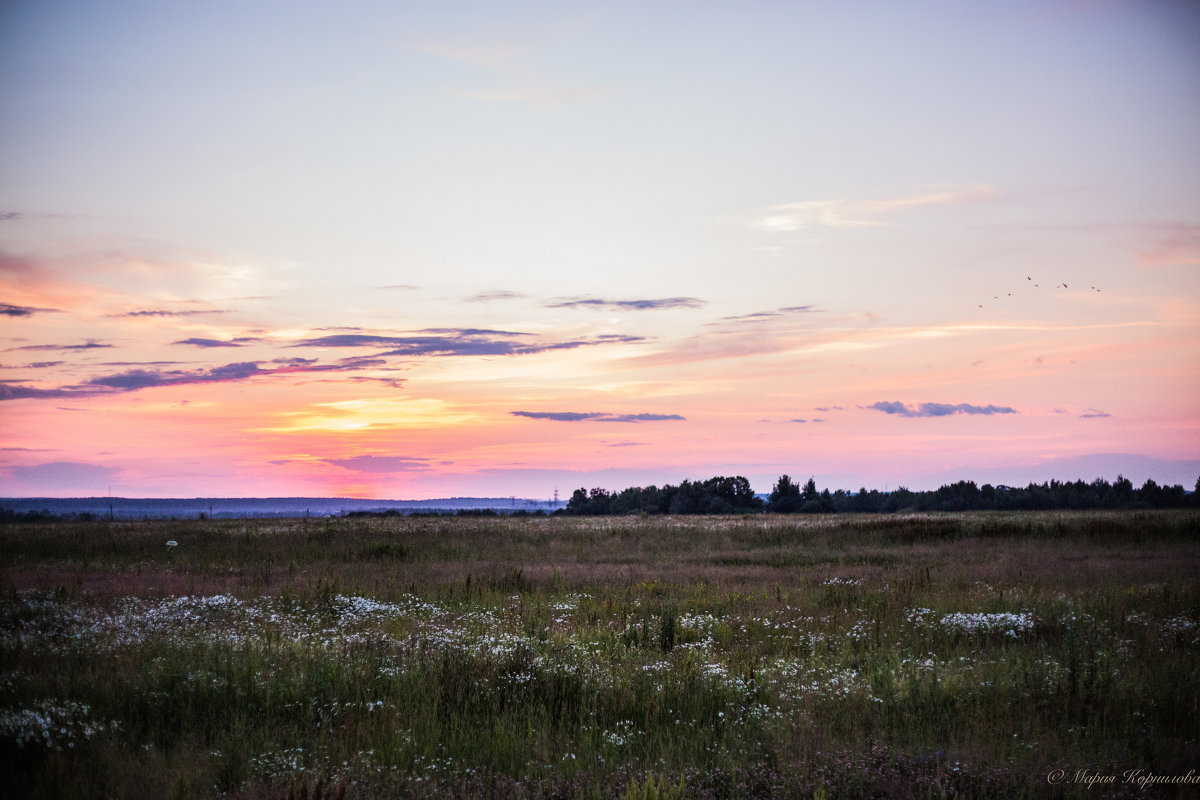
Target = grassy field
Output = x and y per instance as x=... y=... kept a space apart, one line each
x=939 y=655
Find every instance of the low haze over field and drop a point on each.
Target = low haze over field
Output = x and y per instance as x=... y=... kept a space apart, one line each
x=424 y=250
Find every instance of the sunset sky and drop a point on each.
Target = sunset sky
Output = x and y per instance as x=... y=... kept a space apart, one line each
x=420 y=250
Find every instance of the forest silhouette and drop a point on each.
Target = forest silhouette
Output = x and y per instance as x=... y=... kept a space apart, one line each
x=725 y=495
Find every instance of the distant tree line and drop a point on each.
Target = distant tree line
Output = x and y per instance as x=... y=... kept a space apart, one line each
x=714 y=496
x=733 y=495
x=447 y=512
x=44 y=515
x=8 y=515
x=722 y=495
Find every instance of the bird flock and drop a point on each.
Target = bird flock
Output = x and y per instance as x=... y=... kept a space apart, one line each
x=1029 y=279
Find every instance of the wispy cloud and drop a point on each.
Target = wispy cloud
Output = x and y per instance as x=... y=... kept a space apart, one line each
x=491 y=297
x=379 y=464
x=10 y=310
x=19 y=265
x=144 y=378
x=458 y=342
x=595 y=416
x=1177 y=243
x=791 y=329
x=938 y=409
x=372 y=413
x=63 y=474
x=160 y=312
x=472 y=332
x=134 y=379
x=809 y=333
x=341 y=365
x=860 y=213
x=629 y=305
x=201 y=342
x=493 y=55
x=376 y=340
x=1094 y=413
x=510 y=63
x=760 y=316
x=90 y=344
x=10 y=392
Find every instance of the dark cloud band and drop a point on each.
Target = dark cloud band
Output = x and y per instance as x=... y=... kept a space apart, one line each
x=938 y=409
x=88 y=345
x=595 y=416
x=457 y=342
x=199 y=342
x=630 y=305
x=10 y=310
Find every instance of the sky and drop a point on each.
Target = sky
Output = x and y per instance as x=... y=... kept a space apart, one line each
x=418 y=250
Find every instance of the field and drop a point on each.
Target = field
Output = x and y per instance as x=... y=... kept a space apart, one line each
x=938 y=655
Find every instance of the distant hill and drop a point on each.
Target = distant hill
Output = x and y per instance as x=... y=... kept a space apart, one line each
x=260 y=507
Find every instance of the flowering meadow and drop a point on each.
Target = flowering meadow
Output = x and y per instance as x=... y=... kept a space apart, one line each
x=983 y=654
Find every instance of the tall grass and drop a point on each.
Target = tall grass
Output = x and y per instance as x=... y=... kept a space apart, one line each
x=923 y=656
